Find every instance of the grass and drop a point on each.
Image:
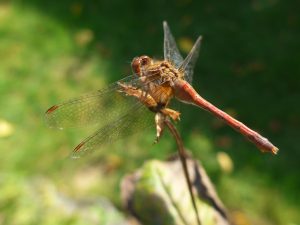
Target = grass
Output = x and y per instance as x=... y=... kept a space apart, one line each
x=248 y=66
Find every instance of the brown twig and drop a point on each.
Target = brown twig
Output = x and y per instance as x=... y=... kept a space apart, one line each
x=182 y=156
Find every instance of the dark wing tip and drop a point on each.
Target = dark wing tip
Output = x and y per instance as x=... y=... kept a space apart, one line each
x=77 y=152
x=78 y=147
x=52 y=109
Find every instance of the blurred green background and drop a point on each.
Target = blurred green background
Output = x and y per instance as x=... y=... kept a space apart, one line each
x=51 y=51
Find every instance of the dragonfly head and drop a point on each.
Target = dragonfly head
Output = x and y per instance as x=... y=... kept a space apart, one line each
x=139 y=63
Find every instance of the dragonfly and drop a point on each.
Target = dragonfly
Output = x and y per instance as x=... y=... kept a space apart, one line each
x=127 y=105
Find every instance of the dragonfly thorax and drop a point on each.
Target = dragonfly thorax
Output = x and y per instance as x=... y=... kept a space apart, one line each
x=156 y=71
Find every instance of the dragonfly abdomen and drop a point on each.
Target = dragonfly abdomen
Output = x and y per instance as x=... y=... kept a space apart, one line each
x=185 y=92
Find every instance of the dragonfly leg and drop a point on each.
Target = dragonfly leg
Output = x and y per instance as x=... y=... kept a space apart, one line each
x=175 y=115
x=160 y=125
x=161 y=115
x=141 y=95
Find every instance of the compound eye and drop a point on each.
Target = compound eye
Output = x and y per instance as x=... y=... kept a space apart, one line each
x=145 y=60
x=135 y=64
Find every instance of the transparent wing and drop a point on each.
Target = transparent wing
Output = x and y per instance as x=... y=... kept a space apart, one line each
x=137 y=119
x=99 y=107
x=189 y=62
x=171 y=52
